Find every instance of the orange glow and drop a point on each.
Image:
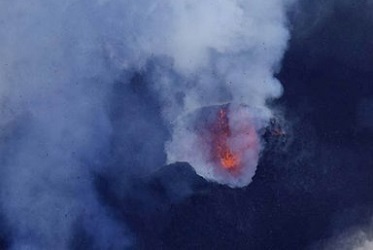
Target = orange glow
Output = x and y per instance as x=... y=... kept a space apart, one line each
x=228 y=159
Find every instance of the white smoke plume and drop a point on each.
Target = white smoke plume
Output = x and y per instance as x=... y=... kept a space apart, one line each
x=234 y=51
x=367 y=245
x=357 y=238
x=59 y=60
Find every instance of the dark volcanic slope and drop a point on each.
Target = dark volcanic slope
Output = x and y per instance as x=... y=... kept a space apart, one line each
x=322 y=183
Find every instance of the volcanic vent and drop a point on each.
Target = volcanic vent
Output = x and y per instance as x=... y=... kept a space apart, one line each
x=220 y=142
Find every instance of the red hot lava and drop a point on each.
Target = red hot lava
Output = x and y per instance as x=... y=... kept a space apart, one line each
x=220 y=142
x=227 y=158
x=230 y=145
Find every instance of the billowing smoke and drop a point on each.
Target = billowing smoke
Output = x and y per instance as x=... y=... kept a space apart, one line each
x=355 y=238
x=235 y=49
x=54 y=126
x=59 y=63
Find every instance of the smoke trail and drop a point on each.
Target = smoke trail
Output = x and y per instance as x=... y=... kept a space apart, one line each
x=59 y=61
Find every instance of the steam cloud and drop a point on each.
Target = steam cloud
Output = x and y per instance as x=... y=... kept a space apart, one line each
x=231 y=58
x=354 y=239
x=59 y=63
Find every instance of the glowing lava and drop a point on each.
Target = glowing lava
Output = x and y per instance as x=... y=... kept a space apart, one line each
x=220 y=142
x=227 y=158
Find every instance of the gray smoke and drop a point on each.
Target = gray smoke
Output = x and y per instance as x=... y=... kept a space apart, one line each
x=59 y=63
